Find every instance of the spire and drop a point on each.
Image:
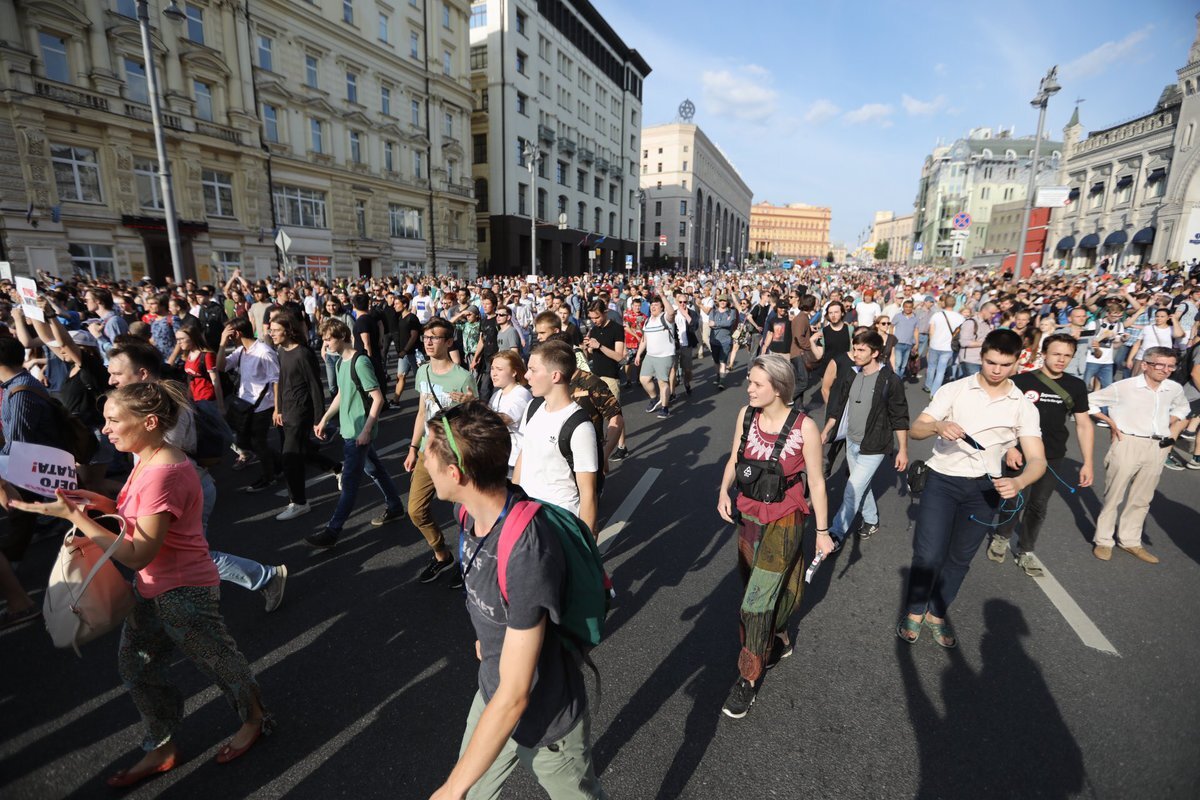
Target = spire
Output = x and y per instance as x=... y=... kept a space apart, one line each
x=1194 y=54
x=1074 y=118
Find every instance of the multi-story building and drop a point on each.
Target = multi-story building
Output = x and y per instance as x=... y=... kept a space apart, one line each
x=1135 y=186
x=970 y=175
x=794 y=231
x=695 y=198
x=338 y=123
x=554 y=80
x=1004 y=236
x=897 y=232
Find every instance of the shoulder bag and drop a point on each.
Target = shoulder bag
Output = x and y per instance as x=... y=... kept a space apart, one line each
x=87 y=596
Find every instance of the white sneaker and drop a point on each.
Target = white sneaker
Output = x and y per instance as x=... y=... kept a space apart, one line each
x=292 y=511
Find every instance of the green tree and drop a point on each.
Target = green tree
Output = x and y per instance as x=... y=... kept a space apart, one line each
x=881 y=251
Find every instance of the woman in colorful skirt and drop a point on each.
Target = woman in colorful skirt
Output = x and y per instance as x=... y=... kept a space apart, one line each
x=770 y=556
x=176 y=585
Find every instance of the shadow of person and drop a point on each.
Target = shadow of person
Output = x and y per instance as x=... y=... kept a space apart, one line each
x=999 y=732
x=1178 y=521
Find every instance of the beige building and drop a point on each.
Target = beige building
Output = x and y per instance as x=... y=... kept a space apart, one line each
x=338 y=123
x=897 y=232
x=697 y=208
x=794 y=231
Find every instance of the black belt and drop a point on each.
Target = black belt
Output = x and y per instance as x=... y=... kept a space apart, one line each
x=1155 y=436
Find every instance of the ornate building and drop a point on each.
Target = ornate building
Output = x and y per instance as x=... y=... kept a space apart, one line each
x=794 y=231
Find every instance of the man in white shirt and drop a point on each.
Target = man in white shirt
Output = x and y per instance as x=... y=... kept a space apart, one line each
x=542 y=469
x=943 y=327
x=867 y=310
x=423 y=304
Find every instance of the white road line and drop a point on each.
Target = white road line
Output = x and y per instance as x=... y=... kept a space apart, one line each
x=624 y=512
x=1083 y=626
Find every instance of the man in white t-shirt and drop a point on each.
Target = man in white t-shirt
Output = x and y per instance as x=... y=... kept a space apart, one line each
x=943 y=325
x=867 y=310
x=542 y=470
x=423 y=304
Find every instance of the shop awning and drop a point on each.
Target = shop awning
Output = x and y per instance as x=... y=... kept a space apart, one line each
x=1157 y=175
x=1066 y=243
x=1090 y=242
x=1073 y=195
x=1116 y=238
x=1097 y=188
x=1144 y=236
x=1124 y=181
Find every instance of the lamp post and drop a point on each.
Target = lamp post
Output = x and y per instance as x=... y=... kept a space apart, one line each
x=1046 y=89
x=174 y=14
x=688 y=253
x=533 y=157
x=641 y=201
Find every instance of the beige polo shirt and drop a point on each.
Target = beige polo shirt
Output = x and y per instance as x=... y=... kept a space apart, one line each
x=997 y=424
x=1139 y=410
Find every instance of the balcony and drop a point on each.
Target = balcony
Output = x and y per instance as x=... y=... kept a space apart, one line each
x=141 y=112
x=566 y=146
x=602 y=166
x=546 y=134
x=460 y=190
x=586 y=156
x=69 y=94
x=219 y=132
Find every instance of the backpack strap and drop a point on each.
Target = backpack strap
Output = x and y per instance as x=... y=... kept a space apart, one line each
x=366 y=396
x=515 y=524
x=580 y=417
x=747 y=421
x=784 y=432
x=1065 y=396
x=533 y=406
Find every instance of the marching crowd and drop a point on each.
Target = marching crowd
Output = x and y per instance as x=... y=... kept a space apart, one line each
x=521 y=389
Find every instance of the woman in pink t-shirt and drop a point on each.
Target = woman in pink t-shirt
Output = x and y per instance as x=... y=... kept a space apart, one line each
x=176 y=584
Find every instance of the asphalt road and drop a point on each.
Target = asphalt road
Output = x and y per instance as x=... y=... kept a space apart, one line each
x=370 y=674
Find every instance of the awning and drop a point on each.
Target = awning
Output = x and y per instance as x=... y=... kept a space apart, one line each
x=1097 y=188
x=1074 y=194
x=1157 y=175
x=1090 y=242
x=1066 y=243
x=1116 y=238
x=1144 y=236
x=1124 y=181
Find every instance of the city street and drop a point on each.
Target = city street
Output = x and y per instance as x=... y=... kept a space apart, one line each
x=1080 y=684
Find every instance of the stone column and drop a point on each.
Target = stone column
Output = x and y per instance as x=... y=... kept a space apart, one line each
x=102 y=77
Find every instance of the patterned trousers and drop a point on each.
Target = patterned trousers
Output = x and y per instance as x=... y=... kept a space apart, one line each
x=768 y=561
x=188 y=618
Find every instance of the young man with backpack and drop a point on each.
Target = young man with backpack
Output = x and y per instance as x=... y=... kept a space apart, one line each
x=535 y=592
x=211 y=316
x=943 y=333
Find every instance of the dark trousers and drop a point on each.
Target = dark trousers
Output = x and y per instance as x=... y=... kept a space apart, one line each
x=21 y=526
x=1034 y=511
x=801 y=371
x=260 y=428
x=298 y=448
x=952 y=522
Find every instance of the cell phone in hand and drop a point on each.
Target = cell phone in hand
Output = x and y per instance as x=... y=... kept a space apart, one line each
x=966 y=437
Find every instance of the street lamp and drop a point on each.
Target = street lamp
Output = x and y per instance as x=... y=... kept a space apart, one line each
x=174 y=14
x=533 y=157
x=688 y=253
x=641 y=201
x=1046 y=89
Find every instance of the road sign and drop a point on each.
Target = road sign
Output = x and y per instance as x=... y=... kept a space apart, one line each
x=662 y=240
x=918 y=251
x=629 y=262
x=283 y=241
x=961 y=221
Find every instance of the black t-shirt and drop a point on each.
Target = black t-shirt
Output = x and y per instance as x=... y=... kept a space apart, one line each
x=781 y=335
x=366 y=323
x=607 y=335
x=406 y=324
x=385 y=312
x=300 y=394
x=1052 y=409
x=759 y=314
x=489 y=329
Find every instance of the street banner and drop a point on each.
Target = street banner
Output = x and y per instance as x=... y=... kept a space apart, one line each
x=41 y=469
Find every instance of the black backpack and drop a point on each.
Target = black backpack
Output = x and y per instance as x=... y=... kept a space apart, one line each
x=73 y=436
x=580 y=417
x=212 y=322
x=764 y=481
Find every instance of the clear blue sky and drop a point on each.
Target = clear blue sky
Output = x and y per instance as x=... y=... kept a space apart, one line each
x=837 y=103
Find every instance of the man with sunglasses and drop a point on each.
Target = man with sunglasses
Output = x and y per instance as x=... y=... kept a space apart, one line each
x=1146 y=414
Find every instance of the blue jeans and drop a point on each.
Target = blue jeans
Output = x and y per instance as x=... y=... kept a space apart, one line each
x=953 y=521
x=355 y=461
x=231 y=569
x=939 y=360
x=1102 y=371
x=1119 y=355
x=331 y=365
x=858 y=494
x=903 y=352
x=969 y=369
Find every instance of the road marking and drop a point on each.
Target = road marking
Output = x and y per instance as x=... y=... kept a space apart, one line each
x=620 y=518
x=379 y=451
x=1083 y=626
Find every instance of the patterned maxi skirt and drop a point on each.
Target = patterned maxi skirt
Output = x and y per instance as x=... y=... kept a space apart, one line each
x=769 y=559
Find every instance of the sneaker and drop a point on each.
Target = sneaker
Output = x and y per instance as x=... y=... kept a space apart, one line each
x=1174 y=463
x=394 y=404
x=387 y=516
x=434 y=568
x=650 y=409
x=779 y=652
x=721 y=385
x=1029 y=562
x=292 y=511
x=998 y=549
x=273 y=591
x=1101 y=423
x=741 y=697
x=338 y=477
x=325 y=539
x=664 y=413
x=456 y=579
x=261 y=485
x=1193 y=462
x=867 y=531
x=620 y=454
x=241 y=462
x=687 y=390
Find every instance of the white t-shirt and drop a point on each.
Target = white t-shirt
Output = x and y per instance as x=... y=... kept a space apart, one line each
x=1106 y=349
x=867 y=312
x=422 y=306
x=545 y=474
x=892 y=309
x=512 y=405
x=939 y=331
x=659 y=342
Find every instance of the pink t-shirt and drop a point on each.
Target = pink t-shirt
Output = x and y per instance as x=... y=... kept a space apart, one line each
x=759 y=446
x=183 y=559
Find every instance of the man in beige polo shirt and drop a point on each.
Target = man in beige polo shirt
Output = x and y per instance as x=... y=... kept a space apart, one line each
x=1146 y=414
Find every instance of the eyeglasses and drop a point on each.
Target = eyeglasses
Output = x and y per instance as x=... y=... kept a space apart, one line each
x=1159 y=364
x=432 y=338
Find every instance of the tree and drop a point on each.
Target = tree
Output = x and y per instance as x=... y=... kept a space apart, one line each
x=881 y=251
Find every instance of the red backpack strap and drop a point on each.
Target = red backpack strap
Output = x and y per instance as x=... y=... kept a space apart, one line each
x=462 y=517
x=519 y=517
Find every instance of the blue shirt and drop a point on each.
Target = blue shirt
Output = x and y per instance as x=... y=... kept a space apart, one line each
x=905 y=328
x=24 y=416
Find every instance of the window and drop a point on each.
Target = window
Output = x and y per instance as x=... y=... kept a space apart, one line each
x=447 y=63
x=481 y=194
x=316 y=134
x=218 y=193
x=682 y=230
x=311 y=65
x=660 y=166
x=521 y=59
x=456 y=225
x=645 y=154
x=145 y=178
x=1157 y=188
x=448 y=125
x=596 y=219
x=304 y=208
x=445 y=15
x=265 y=52
x=226 y=261
x=658 y=208
x=658 y=229
x=404 y=222
x=560 y=173
x=418 y=164
x=985 y=193
x=522 y=199
x=76 y=173
x=385 y=101
x=521 y=152
x=685 y=166
x=383 y=27
x=348 y=11
x=204 y=103
x=136 y=88
x=360 y=217
x=356 y=147
x=484 y=94
x=270 y=123
x=481 y=235
x=683 y=208
x=451 y=171
x=522 y=104
x=597 y=188
x=95 y=260
x=127 y=8
x=479 y=15
x=351 y=87
x=612 y=193
x=541 y=204
x=415 y=108
x=479 y=57
x=562 y=204
x=54 y=58
x=195 y=23
x=389 y=156
x=479 y=148
x=581 y=216
x=414 y=45
x=660 y=151
x=521 y=20
x=645 y=169
x=684 y=185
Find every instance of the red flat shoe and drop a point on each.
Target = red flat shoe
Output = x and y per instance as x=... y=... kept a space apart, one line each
x=229 y=753
x=125 y=777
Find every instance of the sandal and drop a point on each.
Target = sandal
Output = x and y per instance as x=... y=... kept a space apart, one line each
x=941 y=632
x=906 y=626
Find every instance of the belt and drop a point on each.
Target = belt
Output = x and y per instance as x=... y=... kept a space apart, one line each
x=1155 y=436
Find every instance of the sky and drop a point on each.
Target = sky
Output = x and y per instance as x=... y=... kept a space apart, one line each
x=837 y=103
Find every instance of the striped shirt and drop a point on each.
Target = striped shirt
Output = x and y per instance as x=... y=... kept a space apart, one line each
x=25 y=416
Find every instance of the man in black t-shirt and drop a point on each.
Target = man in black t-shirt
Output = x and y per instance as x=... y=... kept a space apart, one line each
x=1055 y=395
x=368 y=334
x=408 y=337
x=605 y=346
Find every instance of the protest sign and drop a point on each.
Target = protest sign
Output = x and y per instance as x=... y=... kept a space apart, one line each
x=27 y=288
x=41 y=469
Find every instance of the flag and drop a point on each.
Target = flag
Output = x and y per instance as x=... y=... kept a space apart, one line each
x=601 y=240
x=583 y=241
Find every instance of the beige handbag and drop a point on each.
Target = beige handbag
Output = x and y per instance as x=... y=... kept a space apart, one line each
x=87 y=596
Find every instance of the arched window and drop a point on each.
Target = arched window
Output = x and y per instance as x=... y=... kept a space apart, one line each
x=1011 y=155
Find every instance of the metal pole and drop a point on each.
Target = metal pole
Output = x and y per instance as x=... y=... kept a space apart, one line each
x=641 y=200
x=160 y=144
x=1047 y=88
x=533 y=155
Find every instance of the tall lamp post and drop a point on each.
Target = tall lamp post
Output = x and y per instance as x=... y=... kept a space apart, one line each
x=533 y=157
x=1046 y=89
x=641 y=201
x=175 y=14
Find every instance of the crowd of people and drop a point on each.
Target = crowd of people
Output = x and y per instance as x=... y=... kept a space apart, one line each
x=520 y=388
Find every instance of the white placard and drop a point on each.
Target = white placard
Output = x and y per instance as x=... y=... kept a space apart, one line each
x=41 y=469
x=27 y=288
x=6 y=270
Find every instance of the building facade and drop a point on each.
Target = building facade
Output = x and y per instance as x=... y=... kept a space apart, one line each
x=552 y=77
x=697 y=207
x=794 y=231
x=897 y=232
x=1134 y=187
x=1004 y=237
x=339 y=124
x=971 y=175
